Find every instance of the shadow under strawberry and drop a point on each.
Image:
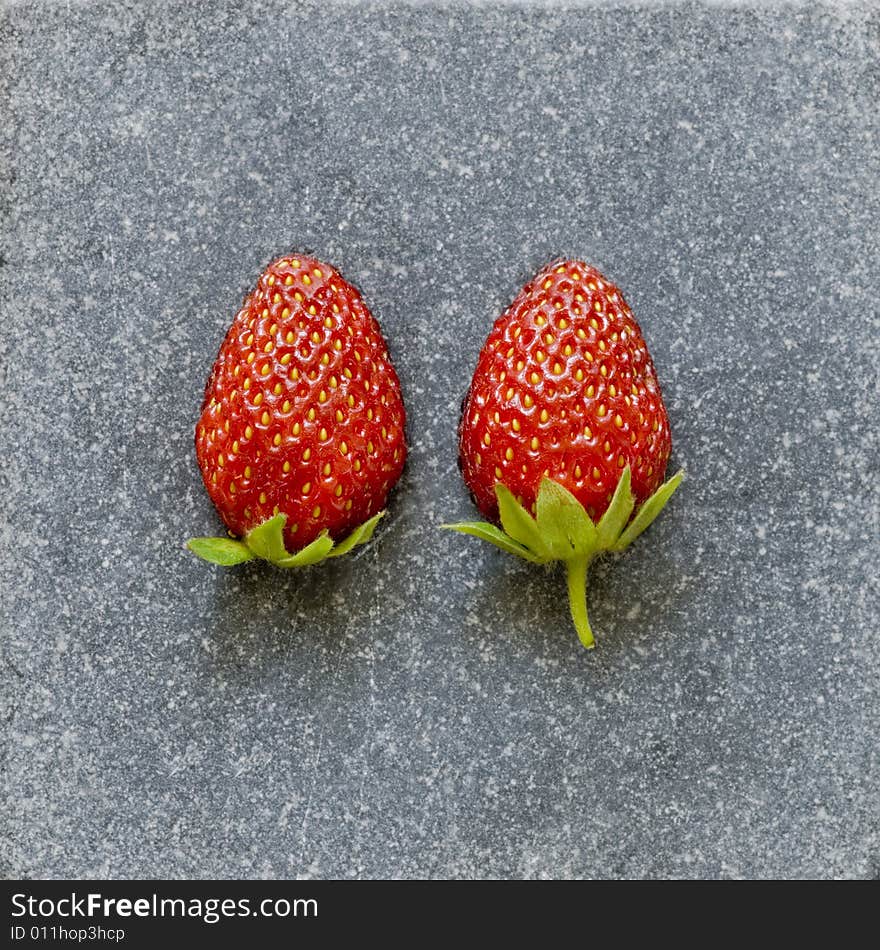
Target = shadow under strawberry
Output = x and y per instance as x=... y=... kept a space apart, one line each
x=261 y=616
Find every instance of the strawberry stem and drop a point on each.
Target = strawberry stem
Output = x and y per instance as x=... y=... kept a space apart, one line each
x=576 y=569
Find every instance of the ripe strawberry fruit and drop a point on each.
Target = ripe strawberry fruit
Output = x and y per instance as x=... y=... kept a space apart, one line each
x=564 y=421
x=301 y=435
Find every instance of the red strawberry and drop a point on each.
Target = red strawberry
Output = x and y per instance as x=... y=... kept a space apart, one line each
x=564 y=419
x=301 y=435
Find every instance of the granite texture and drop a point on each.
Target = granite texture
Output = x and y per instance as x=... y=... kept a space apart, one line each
x=424 y=709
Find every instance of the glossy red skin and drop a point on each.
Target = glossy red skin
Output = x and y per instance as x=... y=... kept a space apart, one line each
x=588 y=436
x=318 y=361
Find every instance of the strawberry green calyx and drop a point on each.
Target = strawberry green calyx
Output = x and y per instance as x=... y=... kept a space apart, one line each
x=266 y=542
x=563 y=531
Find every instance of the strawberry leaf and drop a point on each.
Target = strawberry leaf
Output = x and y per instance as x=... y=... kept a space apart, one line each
x=223 y=551
x=312 y=553
x=488 y=532
x=648 y=512
x=566 y=528
x=360 y=535
x=618 y=512
x=267 y=539
x=518 y=523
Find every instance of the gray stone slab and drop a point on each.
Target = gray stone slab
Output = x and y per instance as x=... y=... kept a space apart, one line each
x=424 y=708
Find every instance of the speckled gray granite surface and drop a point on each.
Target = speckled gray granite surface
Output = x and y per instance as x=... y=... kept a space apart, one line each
x=424 y=709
